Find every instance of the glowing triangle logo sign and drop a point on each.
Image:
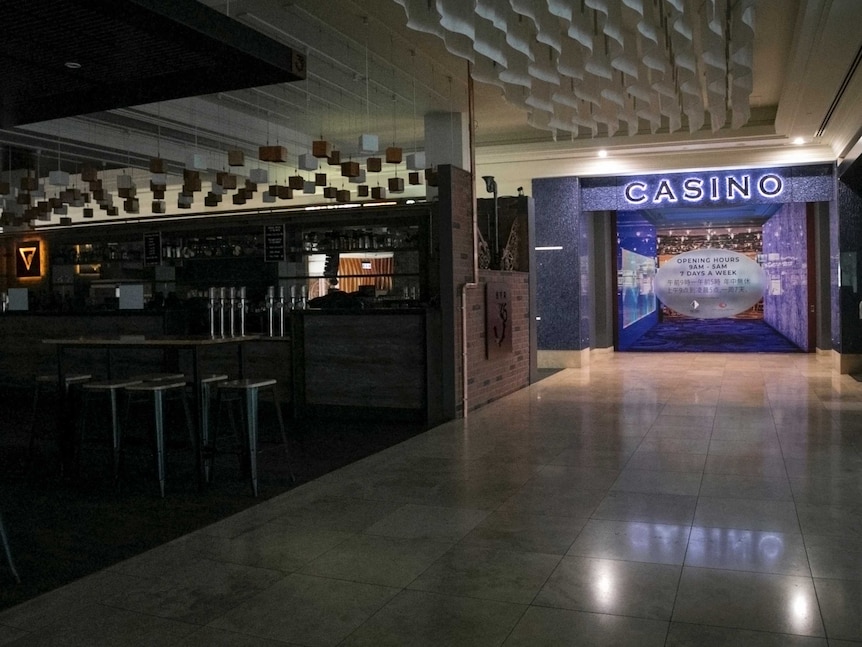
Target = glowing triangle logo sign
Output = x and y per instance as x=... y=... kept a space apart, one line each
x=27 y=255
x=28 y=263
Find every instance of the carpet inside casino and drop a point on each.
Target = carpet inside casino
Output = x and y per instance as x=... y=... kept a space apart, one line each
x=714 y=336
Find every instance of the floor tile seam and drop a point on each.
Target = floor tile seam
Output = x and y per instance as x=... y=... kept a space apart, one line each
x=601 y=613
x=437 y=594
x=465 y=596
x=429 y=538
x=810 y=578
x=748 y=629
x=143 y=614
x=460 y=543
x=746 y=570
x=687 y=543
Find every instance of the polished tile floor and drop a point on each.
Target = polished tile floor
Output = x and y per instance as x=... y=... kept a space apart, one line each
x=678 y=499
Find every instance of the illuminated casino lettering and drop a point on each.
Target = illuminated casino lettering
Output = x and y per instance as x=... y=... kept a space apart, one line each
x=770 y=185
x=636 y=198
x=743 y=187
x=715 y=188
x=665 y=192
x=693 y=189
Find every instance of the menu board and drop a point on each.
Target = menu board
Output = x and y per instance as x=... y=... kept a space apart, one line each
x=273 y=243
x=152 y=248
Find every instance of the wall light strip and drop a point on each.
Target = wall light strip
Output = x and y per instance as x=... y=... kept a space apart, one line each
x=551 y=248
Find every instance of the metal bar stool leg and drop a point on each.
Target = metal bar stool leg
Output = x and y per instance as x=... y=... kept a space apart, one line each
x=206 y=449
x=8 y=551
x=158 y=406
x=280 y=418
x=251 y=414
x=115 y=433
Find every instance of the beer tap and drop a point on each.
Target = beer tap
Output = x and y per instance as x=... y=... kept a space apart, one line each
x=242 y=305
x=211 y=308
x=280 y=307
x=231 y=298
x=270 y=302
x=221 y=309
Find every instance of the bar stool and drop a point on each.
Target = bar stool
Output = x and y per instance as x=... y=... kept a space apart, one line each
x=155 y=377
x=149 y=377
x=112 y=388
x=6 y=549
x=207 y=383
x=251 y=388
x=159 y=389
x=42 y=384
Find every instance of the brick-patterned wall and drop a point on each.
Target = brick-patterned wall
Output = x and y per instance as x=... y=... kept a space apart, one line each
x=490 y=380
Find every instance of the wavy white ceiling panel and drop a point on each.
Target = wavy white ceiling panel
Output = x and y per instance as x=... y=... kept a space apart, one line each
x=587 y=67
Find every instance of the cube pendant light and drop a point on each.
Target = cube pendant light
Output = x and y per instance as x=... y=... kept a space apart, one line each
x=272 y=153
x=259 y=175
x=393 y=155
x=368 y=144
x=350 y=169
x=416 y=161
x=196 y=161
x=58 y=178
x=321 y=148
x=308 y=162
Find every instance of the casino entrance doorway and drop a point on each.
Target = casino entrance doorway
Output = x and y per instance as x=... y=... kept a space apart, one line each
x=766 y=303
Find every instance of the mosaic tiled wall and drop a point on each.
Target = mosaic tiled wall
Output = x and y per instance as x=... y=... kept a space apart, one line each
x=849 y=262
x=785 y=249
x=562 y=271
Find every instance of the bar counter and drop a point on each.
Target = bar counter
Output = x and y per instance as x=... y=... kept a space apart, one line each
x=330 y=362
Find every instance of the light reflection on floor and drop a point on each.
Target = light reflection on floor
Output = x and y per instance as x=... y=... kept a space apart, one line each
x=647 y=499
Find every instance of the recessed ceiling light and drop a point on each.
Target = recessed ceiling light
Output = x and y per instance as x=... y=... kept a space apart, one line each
x=799 y=140
x=603 y=153
x=73 y=65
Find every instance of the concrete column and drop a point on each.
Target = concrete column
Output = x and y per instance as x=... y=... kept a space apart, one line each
x=447 y=139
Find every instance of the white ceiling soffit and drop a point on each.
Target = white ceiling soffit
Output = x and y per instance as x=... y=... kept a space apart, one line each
x=599 y=65
x=823 y=84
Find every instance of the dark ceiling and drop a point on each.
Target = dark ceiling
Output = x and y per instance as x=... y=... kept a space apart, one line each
x=711 y=217
x=130 y=52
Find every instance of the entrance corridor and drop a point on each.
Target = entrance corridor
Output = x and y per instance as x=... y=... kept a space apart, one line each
x=650 y=499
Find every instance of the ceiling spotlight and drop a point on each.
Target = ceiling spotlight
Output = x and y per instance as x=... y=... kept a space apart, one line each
x=603 y=153
x=799 y=141
x=72 y=65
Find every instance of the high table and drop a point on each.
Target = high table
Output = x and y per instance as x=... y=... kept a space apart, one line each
x=192 y=344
